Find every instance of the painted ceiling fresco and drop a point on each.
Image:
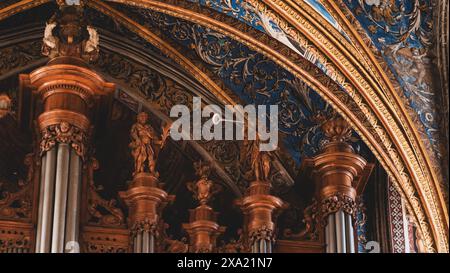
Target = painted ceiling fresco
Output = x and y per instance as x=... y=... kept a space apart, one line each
x=245 y=12
x=254 y=78
x=400 y=29
x=250 y=75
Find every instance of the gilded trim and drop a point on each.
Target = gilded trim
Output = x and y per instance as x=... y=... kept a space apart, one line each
x=20 y=7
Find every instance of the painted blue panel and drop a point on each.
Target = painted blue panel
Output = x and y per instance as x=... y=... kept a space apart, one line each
x=253 y=77
x=402 y=31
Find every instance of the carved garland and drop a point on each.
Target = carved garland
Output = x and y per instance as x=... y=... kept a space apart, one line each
x=262 y=233
x=335 y=203
x=64 y=133
x=145 y=225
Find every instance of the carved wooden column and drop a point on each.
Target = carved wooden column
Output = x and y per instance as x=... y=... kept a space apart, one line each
x=336 y=169
x=145 y=197
x=65 y=96
x=203 y=228
x=259 y=208
x=145 y=200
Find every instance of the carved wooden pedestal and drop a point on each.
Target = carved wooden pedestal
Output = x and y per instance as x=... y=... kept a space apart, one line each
x=340 y=175
x=203 y=229
x=145 y=201
x=259 y=208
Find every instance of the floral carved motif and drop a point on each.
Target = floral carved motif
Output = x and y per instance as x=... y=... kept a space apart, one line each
x=67 y=133
x=145 y=225
x=338 y=202
x=19 y=204
x=262 y=233
x=96 y=204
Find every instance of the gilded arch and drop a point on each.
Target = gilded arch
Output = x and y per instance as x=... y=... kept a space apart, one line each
x=376 y=113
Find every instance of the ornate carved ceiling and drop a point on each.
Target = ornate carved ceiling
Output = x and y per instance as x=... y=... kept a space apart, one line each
x=308 y=61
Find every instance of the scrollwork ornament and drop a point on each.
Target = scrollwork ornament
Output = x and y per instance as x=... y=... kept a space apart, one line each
x=67 y=133
x=96 y=204
x=145 y=225
x=335 y=203
x=19 y=204
x=262 y=233
x=311 y=231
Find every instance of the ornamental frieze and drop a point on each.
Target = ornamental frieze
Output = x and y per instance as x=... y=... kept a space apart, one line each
x=19 y=55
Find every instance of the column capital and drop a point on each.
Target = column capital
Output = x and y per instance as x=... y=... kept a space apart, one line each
x=145 y=199
x=339 y=173
x=260 y=208
x=203 y=229
x=65 y=132
x=65 y=100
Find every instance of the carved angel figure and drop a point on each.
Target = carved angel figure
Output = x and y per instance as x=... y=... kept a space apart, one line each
x=50 y=42
x=64 y=132
x=144 y=141
x=91 y=45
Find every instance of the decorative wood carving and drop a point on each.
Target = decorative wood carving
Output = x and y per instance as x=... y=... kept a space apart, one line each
x=16 y=237
x=18 y=205
x=203 y=228
x=260 y=210
x=97 y=206
x=104 y=240
x=337 y=171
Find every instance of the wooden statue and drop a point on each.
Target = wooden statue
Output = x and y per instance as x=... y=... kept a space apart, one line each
x=260 y=161
x=144 y=141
